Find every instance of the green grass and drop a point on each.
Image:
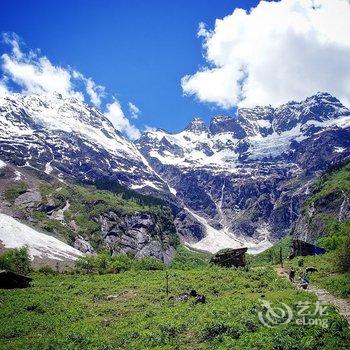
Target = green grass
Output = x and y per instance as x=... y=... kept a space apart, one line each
x=15 y=190
x=327 y=276
x=73 y=312
x=186 y=259
x=271 y=256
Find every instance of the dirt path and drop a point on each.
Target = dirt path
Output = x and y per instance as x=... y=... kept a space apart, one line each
x=324 y=296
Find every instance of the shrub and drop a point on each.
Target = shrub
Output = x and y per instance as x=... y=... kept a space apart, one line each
x=121 y=263
x=16 y=260
x=86 y=264
x=105 y=263
x=148 y=263
x=47 y=270
x=15 y=190
x=343 y=255
x=214 y=330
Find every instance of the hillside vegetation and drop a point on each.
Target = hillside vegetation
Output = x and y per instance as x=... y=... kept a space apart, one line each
x=324 y=221
x=131 y=310
x=102 y=216
x=88 y=203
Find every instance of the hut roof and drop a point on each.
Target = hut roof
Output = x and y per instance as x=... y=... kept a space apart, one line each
x=10 y=279
x=231 y=252
x=306 y=248
x=230 y=257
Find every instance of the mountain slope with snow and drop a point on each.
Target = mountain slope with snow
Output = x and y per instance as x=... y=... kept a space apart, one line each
x=245 y=176
x=67 y=138
x=14 y=234
x=237 y=182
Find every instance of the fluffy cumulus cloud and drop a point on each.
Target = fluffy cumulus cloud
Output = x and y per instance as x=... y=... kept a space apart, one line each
x=116 y=115
x=274 y=53
x=33 y=73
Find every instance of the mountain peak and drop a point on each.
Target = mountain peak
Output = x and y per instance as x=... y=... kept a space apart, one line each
x=197 y=126
x=324 y=97
x=221 y=124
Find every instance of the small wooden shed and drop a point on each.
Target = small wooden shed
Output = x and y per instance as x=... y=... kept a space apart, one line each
x=230 y=257
x=302 y=248
x=9 y=280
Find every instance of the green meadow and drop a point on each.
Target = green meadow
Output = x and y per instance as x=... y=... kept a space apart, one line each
x=132 y=310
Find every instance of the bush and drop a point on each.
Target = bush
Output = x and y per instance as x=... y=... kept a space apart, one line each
x=105 y=263
x=16 y=260
x=343 y=255
x=15 y=190
x=121 y=263
x=86 y=264
x=148 y=263
x=47 y=270
x=217 y=329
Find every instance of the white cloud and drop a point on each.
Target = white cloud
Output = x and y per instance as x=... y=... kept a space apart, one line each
x=36 y=74
x=116 y=115
x=276 y=52
x=96 y=92
x=3 y=88
x=134 y=110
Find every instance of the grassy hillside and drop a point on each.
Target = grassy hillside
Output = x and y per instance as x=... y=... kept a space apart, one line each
x=87 y=203
x=188 y=259
x=81 y=207
x=130 y=310
x=324 y=203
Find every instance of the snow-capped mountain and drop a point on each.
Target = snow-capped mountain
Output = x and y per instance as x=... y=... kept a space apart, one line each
x=69 y=139
x=239 y=181
x=244 y=177
x=66 y=139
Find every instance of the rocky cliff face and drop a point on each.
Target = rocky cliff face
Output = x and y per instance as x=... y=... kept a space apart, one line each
x=240 y=181
x=327 y=207
x=137 y=234
x=244 y=178
x=87 y=219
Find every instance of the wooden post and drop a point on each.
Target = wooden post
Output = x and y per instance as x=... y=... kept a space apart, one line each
x=167 y=284
x=281 y=258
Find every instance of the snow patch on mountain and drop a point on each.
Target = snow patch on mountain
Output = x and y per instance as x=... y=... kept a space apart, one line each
x=14 y=234
x=145 y=184
x=260 y=132
x=216 y=240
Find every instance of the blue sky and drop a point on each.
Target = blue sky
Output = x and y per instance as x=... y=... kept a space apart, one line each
x=139 y=50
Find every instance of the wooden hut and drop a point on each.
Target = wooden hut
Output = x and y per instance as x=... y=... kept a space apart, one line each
x=9 y=280
x=230 y=257
x=302 y=248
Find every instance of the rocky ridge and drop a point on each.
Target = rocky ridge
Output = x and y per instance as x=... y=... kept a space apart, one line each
x=244 y=178
x=239 y=181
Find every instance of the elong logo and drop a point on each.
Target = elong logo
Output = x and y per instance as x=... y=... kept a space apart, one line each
x=282 y=314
